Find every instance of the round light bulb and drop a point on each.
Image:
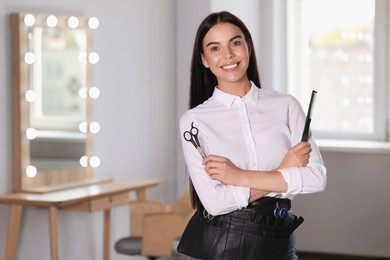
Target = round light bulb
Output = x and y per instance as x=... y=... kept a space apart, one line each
x=73 y=22
x=84 y=161
x=29 y=58
x=30 y=96
x=94 y=162
x=94 y=92
x=83 y=127
x=93 y=58
x=94 y=127
x=51 y=21
x=93 y=23
x=31 y=133
x=83 y=92
x=29 y=20
x=31 y=171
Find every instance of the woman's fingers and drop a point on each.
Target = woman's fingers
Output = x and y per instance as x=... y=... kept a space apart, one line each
x=301 y=147
x=214 y=158
x=297 y=156
x=221 y=169
x=213 y=167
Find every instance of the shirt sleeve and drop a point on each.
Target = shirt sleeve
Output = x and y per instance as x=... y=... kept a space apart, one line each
x=311 y=178
x=216 y=198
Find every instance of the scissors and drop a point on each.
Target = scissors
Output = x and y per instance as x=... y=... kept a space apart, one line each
x=192 y=136
x=279 y=212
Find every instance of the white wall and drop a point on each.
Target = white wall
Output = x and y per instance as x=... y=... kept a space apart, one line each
x=352 y=215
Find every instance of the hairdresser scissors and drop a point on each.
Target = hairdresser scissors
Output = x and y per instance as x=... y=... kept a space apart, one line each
x=207 y=215
x=192 y=136
x=279 y=212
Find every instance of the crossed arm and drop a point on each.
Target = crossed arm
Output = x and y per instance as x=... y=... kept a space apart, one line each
x=260 y=182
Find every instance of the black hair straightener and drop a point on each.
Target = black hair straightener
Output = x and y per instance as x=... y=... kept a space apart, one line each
x=305 y=134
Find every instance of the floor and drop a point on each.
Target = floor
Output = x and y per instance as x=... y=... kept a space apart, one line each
x=316 y=256
x=307 y=256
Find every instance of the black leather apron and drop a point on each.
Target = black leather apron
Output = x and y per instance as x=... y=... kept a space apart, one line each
x=251 y=233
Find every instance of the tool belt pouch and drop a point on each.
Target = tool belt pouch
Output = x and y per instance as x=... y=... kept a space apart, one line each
x=228 y=238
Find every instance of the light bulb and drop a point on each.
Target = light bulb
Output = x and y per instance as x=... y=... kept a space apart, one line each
x=31 y=171
x=83 y=92
x=93 y=58
x=29 y=20
x=94 y=161
x=94 y=127
x=84 y=161
x=93 y=23
x=51 y=21
x=73 y=22
x=30 y=96
x=83 y=127
x=94 y=92
x=31 y=133
x=29 y=58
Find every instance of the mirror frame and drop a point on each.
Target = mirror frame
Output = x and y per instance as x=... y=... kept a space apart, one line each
x=50 y=180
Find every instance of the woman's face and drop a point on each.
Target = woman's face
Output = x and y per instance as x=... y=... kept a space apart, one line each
x=226 y=53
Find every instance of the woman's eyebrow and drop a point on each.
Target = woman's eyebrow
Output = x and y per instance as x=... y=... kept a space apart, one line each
x=235 y=37
x=232 y=39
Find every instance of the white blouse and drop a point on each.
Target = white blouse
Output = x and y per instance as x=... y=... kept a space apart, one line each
x=254 y=133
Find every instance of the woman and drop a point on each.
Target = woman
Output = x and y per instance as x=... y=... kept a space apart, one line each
x=255 y=163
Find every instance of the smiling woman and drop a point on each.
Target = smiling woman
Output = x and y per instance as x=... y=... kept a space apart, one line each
x=255 y=160
x=226 y=54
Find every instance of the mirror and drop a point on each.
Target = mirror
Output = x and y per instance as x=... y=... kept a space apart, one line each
x=52 y=100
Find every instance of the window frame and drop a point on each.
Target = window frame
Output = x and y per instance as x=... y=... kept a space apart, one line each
x=381 y=71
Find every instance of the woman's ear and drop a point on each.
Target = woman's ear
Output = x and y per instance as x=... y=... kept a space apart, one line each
x=204 y=61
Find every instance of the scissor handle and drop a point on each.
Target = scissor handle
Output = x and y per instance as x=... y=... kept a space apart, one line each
x=187 y=136
x=194 y=131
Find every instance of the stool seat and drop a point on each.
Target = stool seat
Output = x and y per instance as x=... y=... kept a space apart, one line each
x=133 y=246
x=129 y=246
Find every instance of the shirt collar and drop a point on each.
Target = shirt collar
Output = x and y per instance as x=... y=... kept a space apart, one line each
x=228 y=99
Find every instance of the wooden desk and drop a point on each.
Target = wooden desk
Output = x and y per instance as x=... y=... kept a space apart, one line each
x=91 y=198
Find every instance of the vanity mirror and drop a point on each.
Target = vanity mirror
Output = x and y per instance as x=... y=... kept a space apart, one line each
x=53 y=128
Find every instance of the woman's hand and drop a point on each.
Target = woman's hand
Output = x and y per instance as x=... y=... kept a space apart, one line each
x=297 y=156
x=221 y=169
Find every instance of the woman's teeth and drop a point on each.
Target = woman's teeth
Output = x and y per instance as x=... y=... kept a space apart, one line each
x=229 y=66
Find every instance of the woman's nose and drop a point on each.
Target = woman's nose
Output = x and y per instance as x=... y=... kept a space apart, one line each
x=228 y=53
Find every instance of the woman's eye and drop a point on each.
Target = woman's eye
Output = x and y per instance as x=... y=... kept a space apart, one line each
x=215 y=48
x=236 y=43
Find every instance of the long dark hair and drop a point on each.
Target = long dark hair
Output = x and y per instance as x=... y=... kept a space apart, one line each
x=203 y=80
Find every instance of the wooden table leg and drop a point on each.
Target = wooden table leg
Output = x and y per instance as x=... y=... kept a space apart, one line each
x=141 y=194
x=53 y=233
x=106 y=240
x=15 y=215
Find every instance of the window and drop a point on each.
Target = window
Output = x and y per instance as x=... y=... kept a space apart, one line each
x=338 y=48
